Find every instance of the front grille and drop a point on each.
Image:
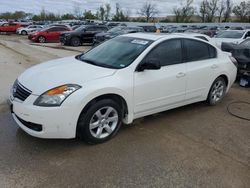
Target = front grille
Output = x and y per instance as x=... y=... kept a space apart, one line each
x=20 y=92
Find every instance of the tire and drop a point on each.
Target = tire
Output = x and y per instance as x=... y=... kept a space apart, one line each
x=41 y=39
x=24 y=33
x=217 y=91
x=75 y=41
x=100 y=122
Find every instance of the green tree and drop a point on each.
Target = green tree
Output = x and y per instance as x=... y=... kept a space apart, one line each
x=67 y=17
x=88 y=15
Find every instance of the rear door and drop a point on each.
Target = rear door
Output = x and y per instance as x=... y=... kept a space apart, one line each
x=88 y=34
x=54 y=34
x=202 y=68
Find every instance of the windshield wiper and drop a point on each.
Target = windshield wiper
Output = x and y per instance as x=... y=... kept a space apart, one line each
x=89 y=61
x=79 y=57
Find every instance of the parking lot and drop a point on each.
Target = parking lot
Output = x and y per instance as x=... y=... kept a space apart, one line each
x=192 y=146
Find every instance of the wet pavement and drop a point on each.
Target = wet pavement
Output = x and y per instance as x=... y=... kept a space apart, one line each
x=192 y=146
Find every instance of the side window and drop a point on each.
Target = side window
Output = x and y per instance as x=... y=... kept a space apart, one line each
x=63 y=29
x=212 y=52
x=168 y=53
x=197 y=50
x=52 y=29
x=103 y=29
x=247 y=34
x=90 y=29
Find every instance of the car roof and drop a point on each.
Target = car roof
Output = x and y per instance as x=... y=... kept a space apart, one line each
x=193 y=34
x=158 y=36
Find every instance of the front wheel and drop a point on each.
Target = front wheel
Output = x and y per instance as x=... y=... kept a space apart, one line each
x=24 y=33
x=217 y=91
x=75 y=41
x=100 y=122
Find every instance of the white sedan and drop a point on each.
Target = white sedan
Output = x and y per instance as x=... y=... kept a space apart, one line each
x=29 y=29
x=128 y=77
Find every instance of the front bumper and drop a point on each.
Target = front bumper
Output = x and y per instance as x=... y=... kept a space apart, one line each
x=56 y=122
x=64 y=40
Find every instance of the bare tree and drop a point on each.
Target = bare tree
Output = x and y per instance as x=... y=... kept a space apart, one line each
x=185 y=12
x=208 y=10
x=107 y=11
x=77 y=10
x=148 y=11
x=228 y=10
x=203 y=10
x=221 y=10
x=102 y=13
x=212 y=9
x=242 y=11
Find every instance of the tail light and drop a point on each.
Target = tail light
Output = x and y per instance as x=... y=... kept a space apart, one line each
x=234 y=61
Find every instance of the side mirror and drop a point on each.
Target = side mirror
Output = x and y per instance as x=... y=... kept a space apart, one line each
x=150 y=64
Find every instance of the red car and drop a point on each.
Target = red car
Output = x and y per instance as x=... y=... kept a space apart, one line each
x=50 y=34
x=9 y=27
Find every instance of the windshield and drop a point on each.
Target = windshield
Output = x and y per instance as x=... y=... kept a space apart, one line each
x=117 y=53
x=230 y=34
x=80 y=28
x=115 y=29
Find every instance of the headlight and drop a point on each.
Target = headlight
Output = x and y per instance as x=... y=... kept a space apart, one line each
x=56 y=96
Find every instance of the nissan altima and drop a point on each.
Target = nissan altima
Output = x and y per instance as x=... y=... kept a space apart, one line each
x=89 y=96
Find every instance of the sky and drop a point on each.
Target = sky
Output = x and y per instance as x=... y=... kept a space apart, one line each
x=165 y=7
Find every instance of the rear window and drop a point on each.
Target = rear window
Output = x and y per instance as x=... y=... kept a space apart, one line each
x=197 y=50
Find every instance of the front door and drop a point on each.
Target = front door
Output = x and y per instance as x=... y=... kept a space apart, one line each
x=158 y=90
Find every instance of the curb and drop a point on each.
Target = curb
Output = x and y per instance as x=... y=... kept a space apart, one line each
x=56 y=47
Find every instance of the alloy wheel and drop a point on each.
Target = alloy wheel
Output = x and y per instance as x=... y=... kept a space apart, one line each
x=103 y=122
x=218 y=91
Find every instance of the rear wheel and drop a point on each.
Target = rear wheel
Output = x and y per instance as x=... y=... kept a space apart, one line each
x=217 y=91
x=75 y=41
x=100 y=122
x=41 y=39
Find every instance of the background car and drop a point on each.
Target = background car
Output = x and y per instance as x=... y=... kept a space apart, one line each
x=83 y=34
x=149 y=28
x=231 y=36
x=9 y=27
x=29 y=29
x=114 y=32
x=241 y=52
x=50 y=34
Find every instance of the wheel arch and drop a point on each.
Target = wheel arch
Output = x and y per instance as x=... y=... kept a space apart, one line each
x=225 y=77
x=118 y=97
x=41 y=36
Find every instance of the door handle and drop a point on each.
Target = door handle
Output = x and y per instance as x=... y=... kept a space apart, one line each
x=180 y=74
x=214 y=66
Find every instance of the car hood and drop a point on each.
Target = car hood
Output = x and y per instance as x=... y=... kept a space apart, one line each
x=51 y=74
